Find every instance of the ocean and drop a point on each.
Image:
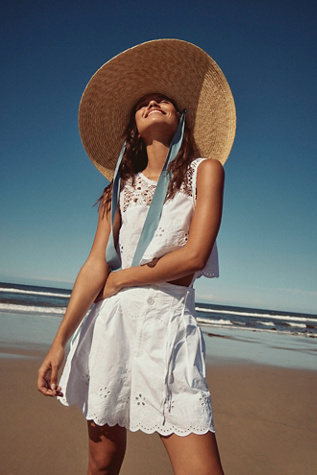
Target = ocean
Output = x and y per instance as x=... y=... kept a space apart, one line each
x=30 y=316
x=46 y=302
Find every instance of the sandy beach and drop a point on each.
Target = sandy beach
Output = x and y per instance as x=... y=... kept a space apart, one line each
x=265 y=416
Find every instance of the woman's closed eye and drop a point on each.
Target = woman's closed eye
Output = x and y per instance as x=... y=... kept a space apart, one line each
x=145 y=102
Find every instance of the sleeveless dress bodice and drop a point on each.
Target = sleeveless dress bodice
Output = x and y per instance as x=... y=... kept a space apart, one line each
x=172 y=231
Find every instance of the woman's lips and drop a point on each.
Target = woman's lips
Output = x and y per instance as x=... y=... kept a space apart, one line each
x=154 y=110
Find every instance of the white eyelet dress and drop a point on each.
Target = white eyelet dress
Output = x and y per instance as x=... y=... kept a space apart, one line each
x=137 y=359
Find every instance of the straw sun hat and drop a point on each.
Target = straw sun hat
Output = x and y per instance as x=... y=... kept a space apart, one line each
x=179 y=70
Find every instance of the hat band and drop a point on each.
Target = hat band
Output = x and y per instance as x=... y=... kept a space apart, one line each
x=155 y=210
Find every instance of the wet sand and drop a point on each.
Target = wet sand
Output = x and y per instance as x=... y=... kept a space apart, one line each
x=265 y=417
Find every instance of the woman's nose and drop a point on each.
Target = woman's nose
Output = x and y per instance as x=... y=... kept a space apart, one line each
x=152 y=103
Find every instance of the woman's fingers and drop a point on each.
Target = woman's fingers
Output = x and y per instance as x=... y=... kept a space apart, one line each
x=43 y=379
x=47 y=381
x=53 y=381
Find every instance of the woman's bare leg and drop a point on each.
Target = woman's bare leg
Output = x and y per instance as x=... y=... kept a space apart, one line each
x=106 y=449
x=193 y=454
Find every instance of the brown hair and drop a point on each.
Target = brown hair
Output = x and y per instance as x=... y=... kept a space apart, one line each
x=135 y=160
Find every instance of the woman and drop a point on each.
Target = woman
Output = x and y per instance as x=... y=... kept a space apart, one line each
x=137 y=360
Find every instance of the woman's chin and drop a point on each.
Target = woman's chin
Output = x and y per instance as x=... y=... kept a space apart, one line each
x=158 y=129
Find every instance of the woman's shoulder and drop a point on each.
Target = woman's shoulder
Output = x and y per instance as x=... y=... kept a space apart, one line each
x=206 y=163
x=210 y=176
x=210 y=166
x=204 y=172
x=200 y=166
x=196 y=162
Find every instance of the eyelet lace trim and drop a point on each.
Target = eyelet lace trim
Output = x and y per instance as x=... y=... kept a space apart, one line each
x=121 y=415
x=150 y=429
x=141 y=190
x=163 y=429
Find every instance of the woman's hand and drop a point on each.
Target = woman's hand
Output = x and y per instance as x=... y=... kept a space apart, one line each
x=112 y=286
x=48 y=372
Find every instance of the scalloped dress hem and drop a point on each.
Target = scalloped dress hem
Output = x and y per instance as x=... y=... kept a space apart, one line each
x=152 y=430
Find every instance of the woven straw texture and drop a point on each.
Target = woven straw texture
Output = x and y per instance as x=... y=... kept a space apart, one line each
x=175 y=68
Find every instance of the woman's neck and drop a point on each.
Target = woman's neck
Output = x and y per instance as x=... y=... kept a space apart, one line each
x=157 y=153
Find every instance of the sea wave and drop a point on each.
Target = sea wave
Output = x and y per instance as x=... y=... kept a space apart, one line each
x=305 y=327
x=235 y=326
x=11 y=307
x=33 y=292
x=258 y=315
x=209 y=321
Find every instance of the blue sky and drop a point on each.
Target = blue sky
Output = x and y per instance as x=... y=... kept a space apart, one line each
x=267 y=51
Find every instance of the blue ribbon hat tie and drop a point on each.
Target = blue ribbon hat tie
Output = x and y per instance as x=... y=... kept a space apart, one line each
x=155 y=209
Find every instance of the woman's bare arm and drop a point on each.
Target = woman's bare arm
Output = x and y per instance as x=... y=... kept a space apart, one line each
x=202 y=235
x=89 y=282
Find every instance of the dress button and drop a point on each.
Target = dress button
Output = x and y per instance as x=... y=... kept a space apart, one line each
x=150 y=300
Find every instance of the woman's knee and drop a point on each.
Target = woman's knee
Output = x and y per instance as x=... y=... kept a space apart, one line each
x=193 y=454
x=101 y=457
x=106 y=448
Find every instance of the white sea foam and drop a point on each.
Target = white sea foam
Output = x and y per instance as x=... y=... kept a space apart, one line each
x=12 y=307
x=299 y=325
x=33 y=292
x=209 y=321
x=257 y=329
x=244 y=326
x=258 y=315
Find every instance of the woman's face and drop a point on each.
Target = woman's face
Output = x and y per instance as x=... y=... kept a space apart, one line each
x=156 y=114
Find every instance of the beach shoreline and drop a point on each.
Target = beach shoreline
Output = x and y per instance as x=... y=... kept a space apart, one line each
x=32 y=335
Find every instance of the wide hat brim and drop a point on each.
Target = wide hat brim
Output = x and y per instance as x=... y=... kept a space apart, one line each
x=178 y=69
